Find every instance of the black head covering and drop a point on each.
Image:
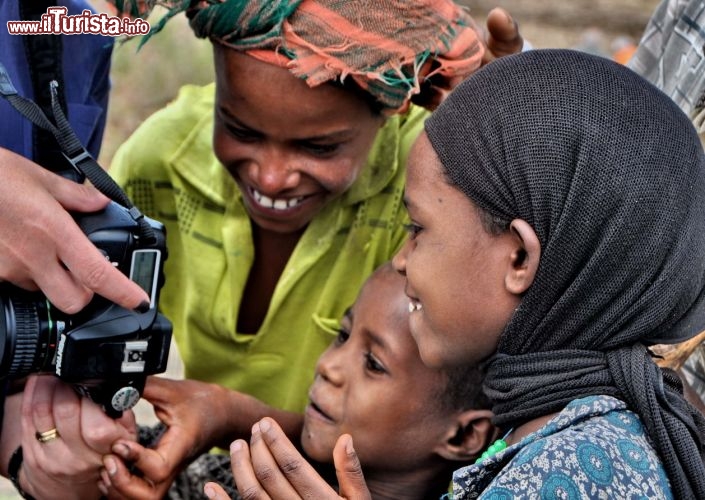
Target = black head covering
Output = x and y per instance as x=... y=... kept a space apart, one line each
x=611 y=175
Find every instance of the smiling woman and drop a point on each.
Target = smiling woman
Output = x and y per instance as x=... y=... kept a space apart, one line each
x=292 y=150
x=440 y=323
x=609 y=270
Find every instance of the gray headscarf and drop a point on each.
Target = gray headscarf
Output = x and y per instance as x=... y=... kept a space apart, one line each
x=611 y=175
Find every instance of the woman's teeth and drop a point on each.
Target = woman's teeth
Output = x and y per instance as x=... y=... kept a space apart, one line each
x=276 y=203
x=414 y=307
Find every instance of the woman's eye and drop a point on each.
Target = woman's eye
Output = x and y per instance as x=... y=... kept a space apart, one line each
x=373 y=365
x=412 y=229
x=241 y=134
x=320 y=149
x=343 y=336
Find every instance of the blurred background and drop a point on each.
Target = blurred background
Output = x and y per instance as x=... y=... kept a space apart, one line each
x=145 y=80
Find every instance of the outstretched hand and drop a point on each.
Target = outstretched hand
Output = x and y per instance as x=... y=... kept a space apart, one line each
x=272 y=467
x=187 y=408
x=41 y=246
x=197 y=416
x=150 y=476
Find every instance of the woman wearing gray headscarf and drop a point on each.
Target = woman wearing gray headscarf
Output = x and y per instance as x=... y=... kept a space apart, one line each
x=609 y=175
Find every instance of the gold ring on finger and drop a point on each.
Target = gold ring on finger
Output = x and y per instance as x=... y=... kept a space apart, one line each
x=46 y=436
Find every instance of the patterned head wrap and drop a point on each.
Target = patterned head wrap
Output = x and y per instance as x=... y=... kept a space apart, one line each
x=389 y=48
x=611 y=175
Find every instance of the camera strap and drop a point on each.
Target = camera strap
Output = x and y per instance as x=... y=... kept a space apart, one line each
x=44 y=54
x=83 y=163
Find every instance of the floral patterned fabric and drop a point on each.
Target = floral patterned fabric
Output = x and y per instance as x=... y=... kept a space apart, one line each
x=594 y=448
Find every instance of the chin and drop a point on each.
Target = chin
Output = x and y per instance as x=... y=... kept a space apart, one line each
x=279 y=227
x=432 y=360
x=427 y=350
x=315 y=450
x=430 y=355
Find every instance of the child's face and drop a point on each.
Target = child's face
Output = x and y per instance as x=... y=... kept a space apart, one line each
x=290 y=148
x=455 y=270
x=372 y=384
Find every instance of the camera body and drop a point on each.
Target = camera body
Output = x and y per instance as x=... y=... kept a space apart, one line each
x=105 y=351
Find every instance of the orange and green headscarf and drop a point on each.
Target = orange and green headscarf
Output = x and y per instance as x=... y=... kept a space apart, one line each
x=390 y=48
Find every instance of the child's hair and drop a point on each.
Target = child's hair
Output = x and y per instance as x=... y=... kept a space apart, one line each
x=610 y=174
x=463 y=389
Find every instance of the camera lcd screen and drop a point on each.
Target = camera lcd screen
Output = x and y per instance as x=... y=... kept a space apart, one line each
x=145 y=266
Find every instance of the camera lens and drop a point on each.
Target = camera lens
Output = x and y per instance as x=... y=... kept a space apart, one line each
x=28 y=335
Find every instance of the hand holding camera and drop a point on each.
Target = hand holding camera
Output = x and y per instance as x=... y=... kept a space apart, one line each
x=106 y=351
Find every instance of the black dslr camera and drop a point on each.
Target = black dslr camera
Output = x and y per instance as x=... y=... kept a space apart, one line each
x=105 y=351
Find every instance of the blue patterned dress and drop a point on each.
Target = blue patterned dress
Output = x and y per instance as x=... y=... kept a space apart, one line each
x=594 y=448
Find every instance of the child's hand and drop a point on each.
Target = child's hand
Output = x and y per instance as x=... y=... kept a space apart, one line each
x=215 y=492
x=181 y=405
x=272 y=467
x=117 y=481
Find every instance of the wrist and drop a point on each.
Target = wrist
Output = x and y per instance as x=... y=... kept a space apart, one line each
x=236 y=417
x=251 y=410
x=236 y=414
x=11 y=431
x=222 y=420
x=13 y=472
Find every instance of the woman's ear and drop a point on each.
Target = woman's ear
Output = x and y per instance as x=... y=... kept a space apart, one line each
x=524 y=258
x=472 y=431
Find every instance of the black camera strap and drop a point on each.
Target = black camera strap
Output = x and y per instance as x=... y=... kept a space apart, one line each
x=80 y=159
x=44 y=54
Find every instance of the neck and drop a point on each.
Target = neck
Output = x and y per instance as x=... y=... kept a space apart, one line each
x=414 y=485
x=270 y=241
x=272 y=252
x=525 y=429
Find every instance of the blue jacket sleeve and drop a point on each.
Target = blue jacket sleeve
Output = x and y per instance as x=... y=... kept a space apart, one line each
x=86 y=71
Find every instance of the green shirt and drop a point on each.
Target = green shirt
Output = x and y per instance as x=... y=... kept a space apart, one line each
x=170 y=172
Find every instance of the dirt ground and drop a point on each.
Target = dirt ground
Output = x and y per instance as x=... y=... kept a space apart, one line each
x=144 y=81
